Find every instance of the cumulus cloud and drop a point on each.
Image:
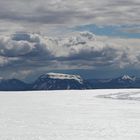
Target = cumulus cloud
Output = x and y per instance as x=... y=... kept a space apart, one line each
x=23 y=44
x=100 y=51
x=31 y=52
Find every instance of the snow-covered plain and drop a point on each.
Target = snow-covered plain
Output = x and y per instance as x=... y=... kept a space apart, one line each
x=70 y=115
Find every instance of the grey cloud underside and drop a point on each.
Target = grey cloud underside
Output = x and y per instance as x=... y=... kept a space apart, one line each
x=81 y=50
x=71 y=11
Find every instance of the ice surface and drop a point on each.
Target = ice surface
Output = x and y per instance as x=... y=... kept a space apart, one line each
x=70 y=115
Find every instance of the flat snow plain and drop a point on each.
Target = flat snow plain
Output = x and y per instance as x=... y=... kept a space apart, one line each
x=70 y=115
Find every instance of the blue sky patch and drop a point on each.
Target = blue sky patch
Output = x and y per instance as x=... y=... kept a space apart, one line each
x=124 y=31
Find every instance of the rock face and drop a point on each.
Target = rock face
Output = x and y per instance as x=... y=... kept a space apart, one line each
x=13 y=85
x=58 y=81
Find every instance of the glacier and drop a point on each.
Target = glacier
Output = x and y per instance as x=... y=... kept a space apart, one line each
x=70 y=115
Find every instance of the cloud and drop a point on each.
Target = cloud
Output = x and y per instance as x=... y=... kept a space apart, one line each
x=31 y=53
x=132 y=30
x=22 y=45
x=24 y=15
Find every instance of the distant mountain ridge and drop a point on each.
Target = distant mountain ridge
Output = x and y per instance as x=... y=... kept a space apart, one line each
x=13 y=85
x=60 y=81
x=124 y=81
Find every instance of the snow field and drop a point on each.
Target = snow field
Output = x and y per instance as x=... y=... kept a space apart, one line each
x=70 y=115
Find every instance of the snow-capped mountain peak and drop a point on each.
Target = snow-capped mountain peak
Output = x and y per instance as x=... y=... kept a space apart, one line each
x=60 y=81
x=62 y=76
x=126 y=77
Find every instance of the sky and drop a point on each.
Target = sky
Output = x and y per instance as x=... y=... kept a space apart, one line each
x=96 y=39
